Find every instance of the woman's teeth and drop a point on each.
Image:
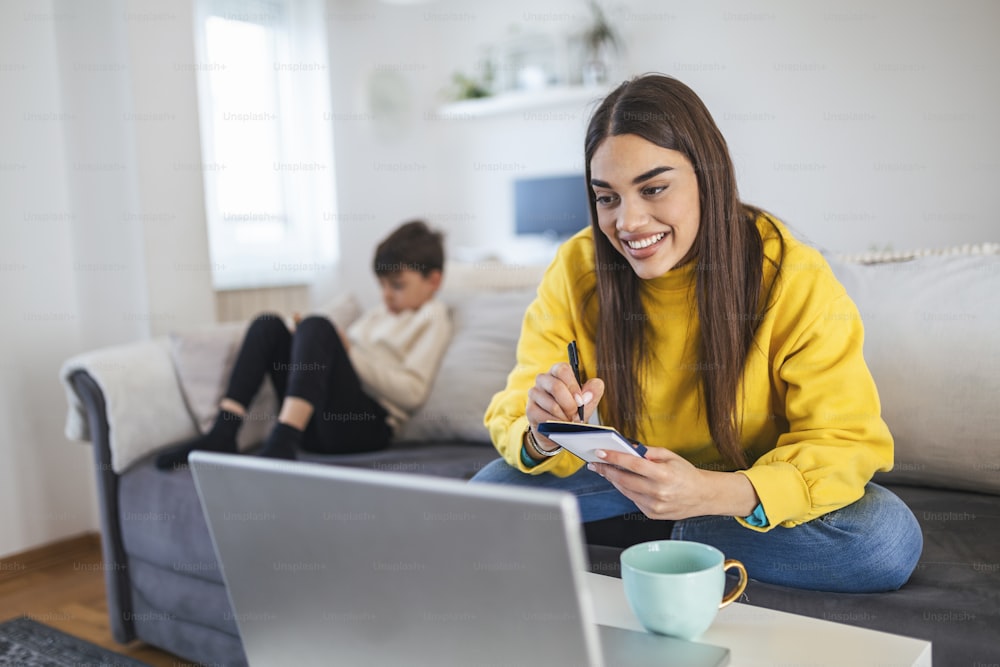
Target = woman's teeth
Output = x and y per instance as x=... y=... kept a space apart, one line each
x=646 y=242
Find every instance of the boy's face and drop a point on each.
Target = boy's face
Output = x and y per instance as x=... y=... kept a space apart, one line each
x=408 y=289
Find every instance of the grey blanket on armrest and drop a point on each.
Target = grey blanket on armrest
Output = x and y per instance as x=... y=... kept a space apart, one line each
x=144 y=404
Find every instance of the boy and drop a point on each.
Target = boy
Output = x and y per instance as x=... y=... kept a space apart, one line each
x=342 y=392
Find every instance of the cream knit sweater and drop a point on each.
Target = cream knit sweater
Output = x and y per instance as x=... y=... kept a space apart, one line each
x=396 y=355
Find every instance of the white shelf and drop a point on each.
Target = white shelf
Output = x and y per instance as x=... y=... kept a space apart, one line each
x=523 y=100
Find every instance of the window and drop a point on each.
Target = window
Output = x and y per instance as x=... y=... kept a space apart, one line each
x=263 y=84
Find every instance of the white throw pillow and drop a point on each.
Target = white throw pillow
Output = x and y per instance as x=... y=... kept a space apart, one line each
x=487 y=326
x=932 y=342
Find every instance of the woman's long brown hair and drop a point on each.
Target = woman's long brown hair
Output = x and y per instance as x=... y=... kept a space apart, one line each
x=728 y=252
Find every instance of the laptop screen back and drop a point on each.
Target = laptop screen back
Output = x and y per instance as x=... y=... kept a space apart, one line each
x=328 y=565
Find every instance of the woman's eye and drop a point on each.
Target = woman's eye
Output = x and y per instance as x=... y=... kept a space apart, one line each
x=604 y=200
x=653 y=190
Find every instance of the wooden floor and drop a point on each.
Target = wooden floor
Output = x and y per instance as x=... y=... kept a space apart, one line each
x=62 y=585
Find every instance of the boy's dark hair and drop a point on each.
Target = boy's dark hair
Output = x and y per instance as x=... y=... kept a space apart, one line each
x=414 y=247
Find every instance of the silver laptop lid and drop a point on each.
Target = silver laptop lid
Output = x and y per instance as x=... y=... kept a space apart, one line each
x=329 y=565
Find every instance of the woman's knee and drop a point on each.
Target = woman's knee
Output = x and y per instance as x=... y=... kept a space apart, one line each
x=888 y=540
x=869 y=546
x=897 y=538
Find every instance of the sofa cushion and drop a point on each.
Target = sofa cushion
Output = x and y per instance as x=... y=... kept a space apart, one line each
x=931 y=342
x=162 y=523
x=457 y=459
x=952 y=599
x=474 y=367
x=194 y=601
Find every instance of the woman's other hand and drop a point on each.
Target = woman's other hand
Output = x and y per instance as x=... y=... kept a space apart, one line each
x=664 y=485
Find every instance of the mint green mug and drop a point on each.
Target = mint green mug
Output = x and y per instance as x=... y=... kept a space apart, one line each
x=675 y=587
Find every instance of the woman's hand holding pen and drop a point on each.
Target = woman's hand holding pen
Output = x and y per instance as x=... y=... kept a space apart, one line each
x=557 y=396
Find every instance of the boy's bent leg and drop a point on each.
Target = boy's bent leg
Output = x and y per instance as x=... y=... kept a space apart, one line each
x=350 y=423
x=598 y=498
x=306 y=371
x=264 y=352
x=345 y=419
x=872 y=545
x=264 y=347
x=316 y=356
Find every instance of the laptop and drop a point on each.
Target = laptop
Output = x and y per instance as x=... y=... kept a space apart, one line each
x=334 y=565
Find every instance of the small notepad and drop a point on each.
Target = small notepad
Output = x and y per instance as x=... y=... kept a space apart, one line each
x=584 y=440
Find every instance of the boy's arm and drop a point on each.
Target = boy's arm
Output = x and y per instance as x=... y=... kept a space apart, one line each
x=407 y=383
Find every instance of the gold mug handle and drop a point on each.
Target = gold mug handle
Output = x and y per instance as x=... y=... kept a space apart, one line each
x=740 y=587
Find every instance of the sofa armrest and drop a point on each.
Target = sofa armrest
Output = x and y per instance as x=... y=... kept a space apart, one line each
x=116 y=578
x=143 y=404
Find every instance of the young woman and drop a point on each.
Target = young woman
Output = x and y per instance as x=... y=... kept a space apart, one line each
x=726 y=346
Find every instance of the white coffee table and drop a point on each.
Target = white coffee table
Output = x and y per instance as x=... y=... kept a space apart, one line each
x=758 y=636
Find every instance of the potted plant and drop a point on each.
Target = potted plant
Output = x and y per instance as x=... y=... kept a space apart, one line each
x=601 y=41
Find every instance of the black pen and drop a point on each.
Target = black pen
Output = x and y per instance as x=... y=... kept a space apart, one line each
x=574 y=362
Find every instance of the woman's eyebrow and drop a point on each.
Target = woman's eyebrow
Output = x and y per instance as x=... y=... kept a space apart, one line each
x=645 y=176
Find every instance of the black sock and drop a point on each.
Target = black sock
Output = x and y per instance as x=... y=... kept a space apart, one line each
x=282 y=442
x=220 y=438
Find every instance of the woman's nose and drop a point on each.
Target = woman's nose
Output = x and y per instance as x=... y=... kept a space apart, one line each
x=631 y=216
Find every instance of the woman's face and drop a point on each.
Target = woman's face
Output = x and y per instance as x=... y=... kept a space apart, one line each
x=647 y=202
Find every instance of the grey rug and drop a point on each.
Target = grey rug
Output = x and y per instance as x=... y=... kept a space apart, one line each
x=28 y=643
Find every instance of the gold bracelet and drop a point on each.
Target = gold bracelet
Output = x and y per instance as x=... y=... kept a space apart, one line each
x=533 y=444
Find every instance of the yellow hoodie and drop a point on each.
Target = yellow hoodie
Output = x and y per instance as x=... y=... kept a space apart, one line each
x=811 y=419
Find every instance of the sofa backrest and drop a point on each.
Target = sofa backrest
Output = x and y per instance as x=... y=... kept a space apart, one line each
x=932 y=326
x=932 y=342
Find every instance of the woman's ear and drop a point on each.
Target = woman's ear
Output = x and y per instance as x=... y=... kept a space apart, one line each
x=435 y=277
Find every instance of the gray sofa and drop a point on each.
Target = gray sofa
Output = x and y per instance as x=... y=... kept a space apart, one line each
x=931 y=342
x=162 y=579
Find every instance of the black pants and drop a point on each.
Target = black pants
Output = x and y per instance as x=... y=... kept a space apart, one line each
x=313 y=365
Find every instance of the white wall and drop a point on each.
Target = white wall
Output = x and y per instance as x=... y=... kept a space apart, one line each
x=861 y=125
x=103 y=236
x=45 y=483
x=456 y=173
x=127 y=73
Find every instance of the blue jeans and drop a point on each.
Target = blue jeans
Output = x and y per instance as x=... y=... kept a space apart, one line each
x=871 y=545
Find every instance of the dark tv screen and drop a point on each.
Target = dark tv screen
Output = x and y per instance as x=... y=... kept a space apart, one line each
x=554 y=205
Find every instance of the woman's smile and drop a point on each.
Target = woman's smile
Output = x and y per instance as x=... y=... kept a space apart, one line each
x=641 y=247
